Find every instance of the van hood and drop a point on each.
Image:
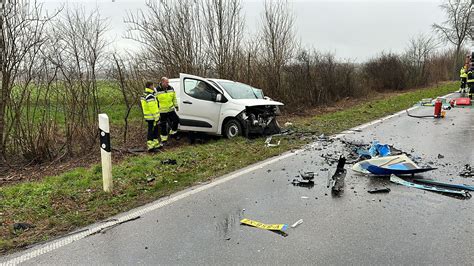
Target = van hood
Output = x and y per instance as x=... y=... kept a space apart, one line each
x=256 y=102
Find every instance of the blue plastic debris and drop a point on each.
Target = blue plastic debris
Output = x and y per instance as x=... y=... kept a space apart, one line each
x=379 y=149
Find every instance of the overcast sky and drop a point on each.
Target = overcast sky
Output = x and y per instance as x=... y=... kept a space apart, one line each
x=352 y=29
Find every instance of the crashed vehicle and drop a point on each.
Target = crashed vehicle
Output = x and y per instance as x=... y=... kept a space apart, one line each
x=224 y=107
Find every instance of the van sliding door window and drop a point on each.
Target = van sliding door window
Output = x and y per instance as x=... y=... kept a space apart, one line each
x=199 y=90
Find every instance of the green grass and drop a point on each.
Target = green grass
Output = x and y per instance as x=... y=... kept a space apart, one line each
x=58 y=204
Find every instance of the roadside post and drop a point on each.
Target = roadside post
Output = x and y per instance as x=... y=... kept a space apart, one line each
x=105 y=152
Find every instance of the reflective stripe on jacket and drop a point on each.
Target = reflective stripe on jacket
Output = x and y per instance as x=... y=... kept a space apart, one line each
x=167 y=99
x=150 y=105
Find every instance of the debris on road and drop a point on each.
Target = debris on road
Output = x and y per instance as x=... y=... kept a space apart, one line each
x=397 y=180
x=441 y=184
x=440 y=156
x=169 y=161
x=288 y=124
x=307 y=180
x=336 y=181
x=270 y=227
x=385 y=166
x=300 y=221
x=377 y=149
x=467 y=171
x=269 y=143
x=379 y=190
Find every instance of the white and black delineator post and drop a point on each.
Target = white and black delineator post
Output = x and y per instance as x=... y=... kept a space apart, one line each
x=105 y=152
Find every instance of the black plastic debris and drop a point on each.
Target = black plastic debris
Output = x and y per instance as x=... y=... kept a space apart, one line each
x=303 y=183
x=22 y=226
x=467 y=171
x=307 y=175
x=336 y=181
x=379 y=190
x=169 y=161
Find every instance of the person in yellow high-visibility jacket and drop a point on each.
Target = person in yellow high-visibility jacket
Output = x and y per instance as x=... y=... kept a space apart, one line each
x=168 y=106
x=151 y=113
x=463 y=76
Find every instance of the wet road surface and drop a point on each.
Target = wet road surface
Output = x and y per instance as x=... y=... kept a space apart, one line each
x=405 y=226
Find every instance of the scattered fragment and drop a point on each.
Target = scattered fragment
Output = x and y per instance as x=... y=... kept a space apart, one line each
x=377 y=149
x=288 y=124
x=306 y=184
x=150 y=179
x=437 y=183
x=307 y=175
x=271 y=227
x=336 y=182
x=396 y=179
x=269 y=143
x=300 y=221
x=379 y=190
x=22 y=226
x=169 y=161
x=440 y=156
x=385 y=166
x=304 y=197
x=467 y=171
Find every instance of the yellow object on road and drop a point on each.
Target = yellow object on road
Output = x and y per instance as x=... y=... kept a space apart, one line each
x=272 y=227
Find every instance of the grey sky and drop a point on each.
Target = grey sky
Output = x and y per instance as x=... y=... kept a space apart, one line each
x=352 y=29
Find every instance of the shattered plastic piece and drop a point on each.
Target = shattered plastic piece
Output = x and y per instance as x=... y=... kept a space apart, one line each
x=437 y=183
x=269 y=143
x=271 y=227
x=336 y=182
x=396 y=179
x=169 y=161
x=379 y=149
x=22 y=226
x=379 y=190
x=288 y=124
x=307 y=175
x=304 y=197
x=300 y=221
x=467 y=171
x=306 y=184
x=399 y=164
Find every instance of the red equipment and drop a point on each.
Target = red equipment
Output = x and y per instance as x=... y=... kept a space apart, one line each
x=437 y=109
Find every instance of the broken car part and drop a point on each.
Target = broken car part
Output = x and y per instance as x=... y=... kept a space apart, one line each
x=379 y=190
x=300 y=221
x=397 y=180
x=271 y=227
x=336 y=181
x=441 y=184
x=269 y=143
x=307 y=175
x=467 y=171
x=260 y=120
x=384 y=166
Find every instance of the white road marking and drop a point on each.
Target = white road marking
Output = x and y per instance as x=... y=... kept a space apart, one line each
x=55 y=244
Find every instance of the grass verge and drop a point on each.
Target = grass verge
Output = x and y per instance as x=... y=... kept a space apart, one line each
x=58 y=204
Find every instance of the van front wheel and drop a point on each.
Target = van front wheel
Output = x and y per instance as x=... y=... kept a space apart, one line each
x=232 y=129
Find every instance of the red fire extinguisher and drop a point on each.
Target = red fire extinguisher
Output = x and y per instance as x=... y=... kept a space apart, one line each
x=437 y=109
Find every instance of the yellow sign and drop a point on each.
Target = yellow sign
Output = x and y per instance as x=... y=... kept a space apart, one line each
x=273 y=227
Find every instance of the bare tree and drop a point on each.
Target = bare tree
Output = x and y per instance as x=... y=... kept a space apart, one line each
x=171 y=34
x=455 y=29
x=418 y=52
x=278 y=40
x=23 y=25
x=78 y=49
x=223 y=30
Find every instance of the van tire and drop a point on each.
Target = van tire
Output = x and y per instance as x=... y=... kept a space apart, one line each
x=232 y=129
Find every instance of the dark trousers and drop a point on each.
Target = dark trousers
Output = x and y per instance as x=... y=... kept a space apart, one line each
x=463 y=83
x=168 y=120
x=152 y=130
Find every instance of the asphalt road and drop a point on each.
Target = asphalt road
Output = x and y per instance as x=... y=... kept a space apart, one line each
x=406 y=226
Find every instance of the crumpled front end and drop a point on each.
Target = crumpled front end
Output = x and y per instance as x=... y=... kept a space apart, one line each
x=260 y=120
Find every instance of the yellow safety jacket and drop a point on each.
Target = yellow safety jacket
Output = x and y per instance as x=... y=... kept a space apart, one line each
x=150 y=105
x=463 y=72
x=470 y=76
x=166 y=98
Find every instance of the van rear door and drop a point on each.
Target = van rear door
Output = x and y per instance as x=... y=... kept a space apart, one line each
x=198 y=109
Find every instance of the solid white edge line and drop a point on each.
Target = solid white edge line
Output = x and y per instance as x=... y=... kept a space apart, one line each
x=55 y=244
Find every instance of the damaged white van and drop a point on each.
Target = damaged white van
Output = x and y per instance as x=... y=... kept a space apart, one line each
x=223 y=107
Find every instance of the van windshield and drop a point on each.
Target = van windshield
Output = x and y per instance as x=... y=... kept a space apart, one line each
x=238 y=90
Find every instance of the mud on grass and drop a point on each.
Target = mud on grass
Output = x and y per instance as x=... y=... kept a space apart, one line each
x=62 y=203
